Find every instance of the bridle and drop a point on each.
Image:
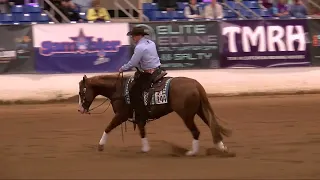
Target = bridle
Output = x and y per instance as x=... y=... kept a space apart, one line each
x=86 y=104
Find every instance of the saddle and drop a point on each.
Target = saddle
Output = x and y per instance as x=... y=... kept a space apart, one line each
x=156 y=93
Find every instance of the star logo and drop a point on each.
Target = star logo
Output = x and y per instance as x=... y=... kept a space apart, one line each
x=82 y=41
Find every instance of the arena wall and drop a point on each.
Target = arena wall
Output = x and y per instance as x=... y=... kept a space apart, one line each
x=218 y=82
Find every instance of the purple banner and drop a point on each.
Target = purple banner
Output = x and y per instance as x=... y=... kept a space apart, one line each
x=80 y=48
x=264 y=43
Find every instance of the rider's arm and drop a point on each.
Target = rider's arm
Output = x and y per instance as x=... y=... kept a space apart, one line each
x=135 y=59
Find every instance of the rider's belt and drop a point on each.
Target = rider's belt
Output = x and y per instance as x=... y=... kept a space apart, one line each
x=149 y=70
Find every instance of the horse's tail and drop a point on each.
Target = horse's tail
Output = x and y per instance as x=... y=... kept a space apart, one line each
x=209 y=114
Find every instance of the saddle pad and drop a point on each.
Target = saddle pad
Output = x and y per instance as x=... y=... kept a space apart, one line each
x=158 y=96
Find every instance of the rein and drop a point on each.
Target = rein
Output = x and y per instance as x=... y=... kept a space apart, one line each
x=120 y=77
x=110 y=100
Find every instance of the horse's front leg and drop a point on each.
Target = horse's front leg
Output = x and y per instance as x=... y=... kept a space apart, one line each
x=144 y=141
x=116 y=121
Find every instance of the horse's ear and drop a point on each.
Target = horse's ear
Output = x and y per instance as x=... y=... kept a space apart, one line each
x=84 y=78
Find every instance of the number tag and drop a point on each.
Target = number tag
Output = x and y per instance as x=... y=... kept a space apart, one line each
x=160 y=98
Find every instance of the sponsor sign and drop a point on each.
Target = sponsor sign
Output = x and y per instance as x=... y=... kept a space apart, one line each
x=84 y=47
x=190 y=44
x=16 y=51
x=314 y=26
x=264 y=43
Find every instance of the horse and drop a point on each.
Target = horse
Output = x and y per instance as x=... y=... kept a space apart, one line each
x=185 y=96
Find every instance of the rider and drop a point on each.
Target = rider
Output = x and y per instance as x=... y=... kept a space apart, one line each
x=146 y=57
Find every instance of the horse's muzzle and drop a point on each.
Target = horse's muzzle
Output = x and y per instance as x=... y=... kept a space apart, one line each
x=83 y=110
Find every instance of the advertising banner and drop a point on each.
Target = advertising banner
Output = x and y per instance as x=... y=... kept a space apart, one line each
x=185 y=45
x=79 y=48
x=314 y=27
x=16 y=51
x=264 y=43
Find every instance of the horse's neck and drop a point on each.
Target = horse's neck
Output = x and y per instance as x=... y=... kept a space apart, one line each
x=111 y=87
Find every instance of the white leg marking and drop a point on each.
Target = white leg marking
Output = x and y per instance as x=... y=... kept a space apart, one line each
x=103 y=139
x=220 y=146
x=145 y=145
x=195 y=148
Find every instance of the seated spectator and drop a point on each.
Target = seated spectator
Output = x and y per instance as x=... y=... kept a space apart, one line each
x=16 y=2
x=167 y=5
x=314 y=12
x=266 y=4
x=97 y=13
x=281 y=10
x=4 y=6
x=213 y=10
x=192 y=10
x=69 y=9
x=297 y=9
x=83 y=4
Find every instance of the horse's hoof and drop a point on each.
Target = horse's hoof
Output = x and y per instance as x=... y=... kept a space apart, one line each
x=191 y=153
x=220 y=152
x=100 y=147
x=145 y=149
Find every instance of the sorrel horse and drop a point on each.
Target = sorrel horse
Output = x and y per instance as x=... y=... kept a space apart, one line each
x=185 y=96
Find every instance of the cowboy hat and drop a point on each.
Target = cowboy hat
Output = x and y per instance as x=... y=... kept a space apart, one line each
x=137 y=31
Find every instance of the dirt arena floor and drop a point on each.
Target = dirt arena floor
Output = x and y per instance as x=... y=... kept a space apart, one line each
x=274 y=137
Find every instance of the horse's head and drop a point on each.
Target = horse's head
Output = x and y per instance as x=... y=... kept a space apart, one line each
x=86 y=95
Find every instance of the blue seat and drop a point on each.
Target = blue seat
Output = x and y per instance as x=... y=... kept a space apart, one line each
x=43 y=18
x=32 y=9
x=229 y=14
x=7 y=19
x=178 y=15
x=22 y=18
x=263 y=12
x=17 y=9
x=1 y=17
x=146 y=6
x=182 y=5
x=163 y=15
x=232 y=4
x=148 y=10
x=251 y=4
x=150 y=6
x=34 y=16
x=83 y=15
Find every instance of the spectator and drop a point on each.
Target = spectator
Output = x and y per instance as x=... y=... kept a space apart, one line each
x=167 y=5
x=213 y=10
x=69 y=9
x=4 y=6
x=267 y=4
x=16 y=2
x=298 y=10
x=281 y=9
x=83 y=4
x=314 y=12
x=192 y=10
x=97 y=13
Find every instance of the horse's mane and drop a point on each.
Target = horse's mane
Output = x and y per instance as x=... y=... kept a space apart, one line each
x=107 y=79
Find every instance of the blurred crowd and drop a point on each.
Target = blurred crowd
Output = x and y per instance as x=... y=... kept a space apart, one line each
x=73 y=8
x=5 y=5
x=93 y=10
x=279 y=8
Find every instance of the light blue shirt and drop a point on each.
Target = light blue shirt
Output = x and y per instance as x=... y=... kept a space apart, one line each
x=145 y=56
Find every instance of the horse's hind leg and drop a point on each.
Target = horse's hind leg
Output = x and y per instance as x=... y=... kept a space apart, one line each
x=217 y=137
x=188 y=119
